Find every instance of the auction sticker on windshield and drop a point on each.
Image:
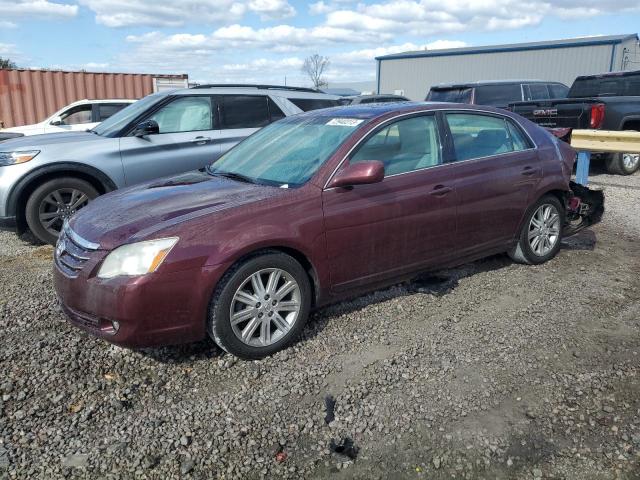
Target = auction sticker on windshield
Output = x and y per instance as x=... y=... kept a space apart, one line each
x=344 y=122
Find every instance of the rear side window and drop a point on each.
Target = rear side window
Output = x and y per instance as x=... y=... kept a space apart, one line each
x=450 y=95
x=536 y=91
x=244 y=111
x=478 y=136
x=105 y=110
x=498 y=95
x=558 y=91
x=307 y=104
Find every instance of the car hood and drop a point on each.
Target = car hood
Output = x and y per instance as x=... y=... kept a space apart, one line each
x=139 y=212
x=38 y=141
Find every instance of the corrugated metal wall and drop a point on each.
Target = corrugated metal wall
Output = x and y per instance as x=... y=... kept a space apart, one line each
x=30 y=96
x=416 y=75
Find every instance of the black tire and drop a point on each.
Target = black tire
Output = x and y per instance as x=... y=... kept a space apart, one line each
x=616 y=165
x=523 y=251
x=219 y=319
x=37 y=204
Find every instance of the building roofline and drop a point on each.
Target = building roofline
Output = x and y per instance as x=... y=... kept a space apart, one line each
x=515 y=47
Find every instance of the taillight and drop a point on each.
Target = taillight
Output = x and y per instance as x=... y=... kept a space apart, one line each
x=597 y=116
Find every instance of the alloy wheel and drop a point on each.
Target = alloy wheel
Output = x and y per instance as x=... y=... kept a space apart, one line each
x=265 y=307
x=58 y=206
x=544 y=229
x=631 y=161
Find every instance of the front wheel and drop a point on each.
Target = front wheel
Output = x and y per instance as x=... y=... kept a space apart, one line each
x=53 y=202
x=539 y=239
x=623 y=163
x=260 y=306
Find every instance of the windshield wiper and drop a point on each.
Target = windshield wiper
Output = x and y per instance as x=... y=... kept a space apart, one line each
x=233 y=176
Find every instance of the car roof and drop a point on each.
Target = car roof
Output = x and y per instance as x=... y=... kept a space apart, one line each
x=101 y=100
x=626 y=73
x=375 y=95
x=247 y=89
x=370 y=111
x=488 y=82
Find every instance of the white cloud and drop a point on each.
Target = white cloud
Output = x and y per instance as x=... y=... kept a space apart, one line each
x=7 y=24
x=7 y=49
x=272 y=9
x=36 y=9
x=126 y=13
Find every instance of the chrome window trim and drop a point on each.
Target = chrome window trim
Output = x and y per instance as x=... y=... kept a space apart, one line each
x=455 y=162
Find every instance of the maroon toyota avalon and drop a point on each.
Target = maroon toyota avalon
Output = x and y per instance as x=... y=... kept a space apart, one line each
x=309 y=210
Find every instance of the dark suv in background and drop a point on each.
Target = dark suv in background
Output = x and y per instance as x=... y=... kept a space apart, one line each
x=499 y=93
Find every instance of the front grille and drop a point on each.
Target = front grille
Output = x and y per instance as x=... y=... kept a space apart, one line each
x=72 y=252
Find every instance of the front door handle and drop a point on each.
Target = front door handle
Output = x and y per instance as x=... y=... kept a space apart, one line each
x=201 y=140
x=528 y=171
x=440 y=190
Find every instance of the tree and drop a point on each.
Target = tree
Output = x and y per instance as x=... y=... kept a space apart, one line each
x=314 y=66
x=5 y=64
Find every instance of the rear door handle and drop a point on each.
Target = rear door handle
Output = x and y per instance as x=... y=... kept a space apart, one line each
x=201 y=140
x=528 y=171
x=440 y=190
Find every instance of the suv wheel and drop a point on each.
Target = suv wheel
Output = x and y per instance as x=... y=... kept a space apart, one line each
x=260 y=306
x=623 y=163
x=53 y=202
x=539 y=239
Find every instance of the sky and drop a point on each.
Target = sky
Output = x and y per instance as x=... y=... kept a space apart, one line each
x=266 y=41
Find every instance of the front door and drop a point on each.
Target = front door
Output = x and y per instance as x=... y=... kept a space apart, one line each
x=496 y=170
x=405 y=222
x=188 y=140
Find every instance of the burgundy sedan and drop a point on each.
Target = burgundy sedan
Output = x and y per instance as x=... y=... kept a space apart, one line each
x=309 y=210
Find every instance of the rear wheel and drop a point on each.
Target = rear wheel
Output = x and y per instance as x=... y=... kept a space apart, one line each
x=623 y=163
x=539 y=239
x=260 y=306
x=53 y=202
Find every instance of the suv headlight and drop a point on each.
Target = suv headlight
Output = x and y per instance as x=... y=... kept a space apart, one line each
x=136 y=258
x=13 y=158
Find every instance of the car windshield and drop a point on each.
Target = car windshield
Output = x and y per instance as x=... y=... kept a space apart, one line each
x=115 y=123
x=286 y=153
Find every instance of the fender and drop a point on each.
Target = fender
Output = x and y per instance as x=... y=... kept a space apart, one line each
x=12 y=200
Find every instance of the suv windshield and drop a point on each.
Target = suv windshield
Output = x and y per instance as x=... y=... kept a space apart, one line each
x=286 y=153
x=453 y=95
x=118 y=121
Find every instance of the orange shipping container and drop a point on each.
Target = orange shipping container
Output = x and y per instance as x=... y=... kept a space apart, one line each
x=30 y=96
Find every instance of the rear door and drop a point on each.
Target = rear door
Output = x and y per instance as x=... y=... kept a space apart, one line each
x=496 y=170
x=187 y=140
x=406 y=221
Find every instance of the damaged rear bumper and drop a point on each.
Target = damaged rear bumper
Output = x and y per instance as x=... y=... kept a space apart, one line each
x=585 y=207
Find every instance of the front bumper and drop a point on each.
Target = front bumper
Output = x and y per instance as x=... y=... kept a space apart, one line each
x=152 y=310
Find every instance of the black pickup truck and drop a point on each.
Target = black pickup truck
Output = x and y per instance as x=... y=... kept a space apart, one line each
x=610 y=101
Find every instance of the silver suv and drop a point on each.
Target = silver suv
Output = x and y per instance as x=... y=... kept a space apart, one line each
x=44 y=179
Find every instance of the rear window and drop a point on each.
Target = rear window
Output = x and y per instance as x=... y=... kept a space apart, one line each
x=452 y=95
x=610 y=86
x=558 y=90
x=536 y=91
x=306 y=104
x=498 y=95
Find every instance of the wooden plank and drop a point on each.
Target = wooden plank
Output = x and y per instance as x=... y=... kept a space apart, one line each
x=605 y=141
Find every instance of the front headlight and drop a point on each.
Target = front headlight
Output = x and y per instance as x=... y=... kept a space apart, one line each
x=13 y=158
x=136 y=258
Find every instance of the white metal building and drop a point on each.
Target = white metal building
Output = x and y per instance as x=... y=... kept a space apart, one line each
x=413 y=73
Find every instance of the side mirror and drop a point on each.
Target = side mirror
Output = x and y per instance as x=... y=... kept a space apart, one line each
x=149 y=127
x=360 y=173
x=56 y=121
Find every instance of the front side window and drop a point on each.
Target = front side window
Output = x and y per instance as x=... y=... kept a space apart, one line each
x=185 y=114
x=403 y=146
x=77 y=115
x=287 y=152
x=478 y=136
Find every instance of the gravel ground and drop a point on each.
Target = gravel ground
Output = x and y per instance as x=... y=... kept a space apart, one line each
x=491 y=370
